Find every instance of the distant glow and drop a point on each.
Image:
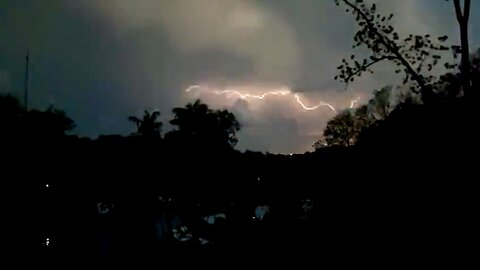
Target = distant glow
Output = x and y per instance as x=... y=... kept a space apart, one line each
x=47 y=185
x=47 y=242
x=286 y=92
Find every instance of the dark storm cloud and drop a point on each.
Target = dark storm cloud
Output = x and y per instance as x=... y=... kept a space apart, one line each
x=104 y=60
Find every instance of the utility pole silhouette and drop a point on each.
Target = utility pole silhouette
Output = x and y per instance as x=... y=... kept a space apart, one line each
x=27 y=59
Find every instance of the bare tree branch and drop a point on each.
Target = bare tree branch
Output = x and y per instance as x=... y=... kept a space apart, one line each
x=462 y=18
x=466 y=10
x=458 y=10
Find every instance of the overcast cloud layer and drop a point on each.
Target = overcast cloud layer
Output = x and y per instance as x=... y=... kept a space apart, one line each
x=104 y=60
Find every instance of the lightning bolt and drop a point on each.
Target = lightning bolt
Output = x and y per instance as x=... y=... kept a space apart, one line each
x=192 y=87
x=353 y=102
x=231 y=93
x=285 y=92
x=297 y=98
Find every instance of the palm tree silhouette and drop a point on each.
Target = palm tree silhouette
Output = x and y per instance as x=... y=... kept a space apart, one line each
x=148 y=126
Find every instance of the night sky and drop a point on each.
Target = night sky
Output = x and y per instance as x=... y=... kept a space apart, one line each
x=102 y=61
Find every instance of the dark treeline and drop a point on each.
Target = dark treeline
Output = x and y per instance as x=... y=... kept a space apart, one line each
x=143 y=174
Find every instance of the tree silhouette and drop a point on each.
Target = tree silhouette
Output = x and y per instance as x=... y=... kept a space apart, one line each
x=413 y=54
x=345 y=128
x=340 y=130
x=476 y=69
x=197 y=123
x=381 y=103
x=450 y=85
x=49 y=124
x=10 y=115
x=463 y=16
x=9 y=107
x=148 y=126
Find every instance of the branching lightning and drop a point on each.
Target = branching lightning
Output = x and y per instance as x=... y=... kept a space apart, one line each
x=229 y=93
x=297 y=98
x=353 y=102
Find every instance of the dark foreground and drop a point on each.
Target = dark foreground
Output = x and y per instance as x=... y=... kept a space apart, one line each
x=105 y=207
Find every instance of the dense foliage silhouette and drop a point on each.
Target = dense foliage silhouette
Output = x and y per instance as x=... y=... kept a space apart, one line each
x=148 y=126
